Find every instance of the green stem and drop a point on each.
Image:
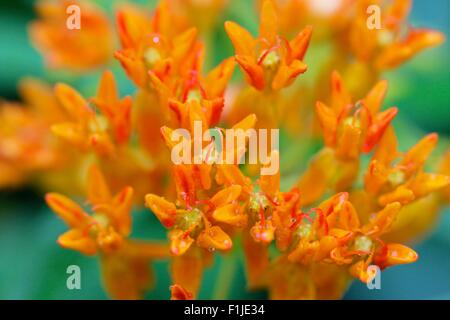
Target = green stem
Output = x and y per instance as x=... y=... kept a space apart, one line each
x=225 y=277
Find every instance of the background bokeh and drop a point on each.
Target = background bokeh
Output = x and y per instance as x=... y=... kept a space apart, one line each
x=32 y=266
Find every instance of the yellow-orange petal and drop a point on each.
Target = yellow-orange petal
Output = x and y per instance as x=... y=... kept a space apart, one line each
x=242 y=40
x=184 y=43
x=180 y=242
x=299 y=45
x=68 y=210
x=416 y=41
x=78 y=240
x=377 y=129
x=383 y=220
x=401 y=194
x=226 y=196
x=164 y=210
x=214 y=238
x=254 y=73
x=217 y=79
x=73 y=102
x=268 y=25
x=270 y=184
x=122 y=204
x=419 y=153
x=286 y=74
x=263 y=232
x=426 y=183
x=340 y=98
x=227 y=214
x=97 y=188
x=394 y=254
x=375 y=97
x=328 y=122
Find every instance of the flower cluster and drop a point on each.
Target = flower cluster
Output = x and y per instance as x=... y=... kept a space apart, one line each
x=305 y=231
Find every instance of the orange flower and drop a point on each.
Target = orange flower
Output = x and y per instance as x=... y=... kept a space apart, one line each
x=118 y=112
x=188 y=97
x=387 y=48
x=81 y=49
x=27 y=146
x=334 y=233
x=403 y=181
x=191 y=220
x=161 y=44
x=124 y=262
x=269 y=62
x=353 y=127
x=349 y=129
x=87 y=130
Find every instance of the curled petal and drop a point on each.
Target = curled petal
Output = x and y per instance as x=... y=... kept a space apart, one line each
x=164 y=210
x=383 y=220
x=401 y=194
x=394 y=254
x=180 y=242
x=78 y=240
x=214 y=238
x=254 y=73
x=227 y=214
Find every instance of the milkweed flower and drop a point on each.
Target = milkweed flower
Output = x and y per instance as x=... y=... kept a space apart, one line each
x=303 y=240
x=269 y=62
x=124 y=262
x=162 y=43
x=388 y=47
x=82 y=49
x=349 y=129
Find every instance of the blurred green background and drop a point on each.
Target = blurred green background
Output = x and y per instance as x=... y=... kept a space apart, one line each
x=33 y=266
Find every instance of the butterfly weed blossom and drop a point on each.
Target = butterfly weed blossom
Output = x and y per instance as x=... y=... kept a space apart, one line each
x=305 y=231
